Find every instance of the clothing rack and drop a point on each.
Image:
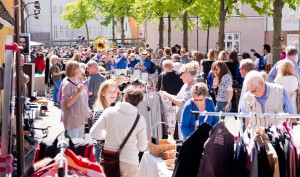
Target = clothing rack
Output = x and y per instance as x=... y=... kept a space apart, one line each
x=63 y=162
x=244 y=115
x=240 y=115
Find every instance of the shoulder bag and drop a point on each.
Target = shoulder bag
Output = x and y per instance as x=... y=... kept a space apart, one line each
x=110 y=160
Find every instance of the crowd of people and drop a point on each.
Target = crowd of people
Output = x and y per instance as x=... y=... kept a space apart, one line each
x=87 y=93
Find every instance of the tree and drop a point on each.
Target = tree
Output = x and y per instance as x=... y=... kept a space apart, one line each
x=78 y=13
x=208 y=14
x=273 y=8
x=110 y=20
x=153 y=10
x=118 y=9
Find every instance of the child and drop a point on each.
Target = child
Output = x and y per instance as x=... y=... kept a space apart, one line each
x=107 y=95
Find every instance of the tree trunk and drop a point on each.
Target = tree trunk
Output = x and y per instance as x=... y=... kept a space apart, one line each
x=278 y=6
x=87 y=34
x=222 y=14
x=185 y=30
x=161 y=32
x=169 y=30
x=207 y=39
x=113 y=30
x=122 y=30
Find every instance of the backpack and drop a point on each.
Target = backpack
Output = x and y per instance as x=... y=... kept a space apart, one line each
x=261 y=63
x=152 y=68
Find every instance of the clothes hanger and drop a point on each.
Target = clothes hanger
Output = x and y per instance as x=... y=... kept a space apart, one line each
x=241 y=122
x=220 y=117
x=206 y=116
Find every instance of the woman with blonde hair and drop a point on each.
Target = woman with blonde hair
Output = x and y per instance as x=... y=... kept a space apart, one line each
x=107 y=96
x=286 y=77
x=206 y=63
x=114 y=124
x=187 y=74
x=222 y=56
x=77 y=57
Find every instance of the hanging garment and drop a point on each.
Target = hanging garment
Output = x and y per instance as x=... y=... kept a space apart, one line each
x=292 y=160
x=240 y=156
x=272 y=156
x=264 y=169
x=190 y=154
x=218 y=153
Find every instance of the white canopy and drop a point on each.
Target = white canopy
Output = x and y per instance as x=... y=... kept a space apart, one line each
x=33 y=43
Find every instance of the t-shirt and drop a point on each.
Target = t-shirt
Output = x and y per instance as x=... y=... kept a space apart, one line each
x=147 y=64
x=55 y=69
x=122 y=63
x=169 y=82
x=93 y=86
x=133 y=63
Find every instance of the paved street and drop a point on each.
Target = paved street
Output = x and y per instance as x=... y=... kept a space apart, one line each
x=50 y=118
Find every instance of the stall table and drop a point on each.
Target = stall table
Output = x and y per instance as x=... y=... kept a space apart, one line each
x=151 y=166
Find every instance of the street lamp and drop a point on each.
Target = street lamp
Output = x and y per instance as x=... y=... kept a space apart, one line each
x=36 y=16
x=37 y=9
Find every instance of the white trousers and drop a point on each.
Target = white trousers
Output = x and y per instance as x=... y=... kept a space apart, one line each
x=128 y=170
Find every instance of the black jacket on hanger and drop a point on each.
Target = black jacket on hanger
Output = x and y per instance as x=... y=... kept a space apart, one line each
x=191 y=152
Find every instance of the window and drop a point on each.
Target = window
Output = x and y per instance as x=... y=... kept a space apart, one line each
x=232 y=40
x=54 y=10
x=61 y=32
x=55 y=32
x=294 y=14
x=237 y=9
x=293 y=39
x=60 y=10
x=67 y=35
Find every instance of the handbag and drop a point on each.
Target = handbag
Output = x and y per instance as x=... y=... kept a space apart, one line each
x=110 y=159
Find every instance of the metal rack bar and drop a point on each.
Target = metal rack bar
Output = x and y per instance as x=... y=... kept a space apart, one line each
x=245 y=115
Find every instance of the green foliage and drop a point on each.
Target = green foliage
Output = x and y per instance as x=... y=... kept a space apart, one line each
x=113 y=8
x=266 y=6
x=152 y=10
x=78 y=13
x=207 y=11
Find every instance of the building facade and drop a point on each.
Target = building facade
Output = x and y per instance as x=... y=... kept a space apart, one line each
x=289 y=26
x=241 y=33
x=51 y=27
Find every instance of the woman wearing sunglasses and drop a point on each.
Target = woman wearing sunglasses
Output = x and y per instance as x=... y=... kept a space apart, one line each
x=200 y=102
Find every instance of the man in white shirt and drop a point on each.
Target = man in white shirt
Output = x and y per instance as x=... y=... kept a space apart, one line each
x=176 y=62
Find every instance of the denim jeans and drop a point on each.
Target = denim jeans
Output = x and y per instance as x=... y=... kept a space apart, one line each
x=55 y=90
x=221 y=105
x=76 y=132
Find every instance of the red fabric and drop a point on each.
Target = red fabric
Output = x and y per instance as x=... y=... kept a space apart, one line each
x=39 y=64
x=88 y=153
x=13 y=47
x=37 y=154
x=78 y=160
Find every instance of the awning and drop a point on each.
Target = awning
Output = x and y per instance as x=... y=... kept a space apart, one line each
x=4 y=14
x=32 y=43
